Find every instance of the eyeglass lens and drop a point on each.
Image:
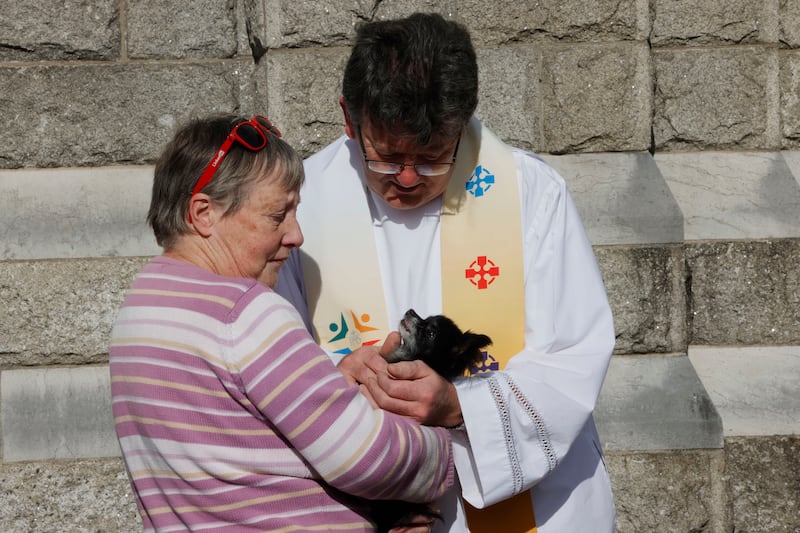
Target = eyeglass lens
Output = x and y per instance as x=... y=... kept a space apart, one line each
x=250 y=136
x=423 y=169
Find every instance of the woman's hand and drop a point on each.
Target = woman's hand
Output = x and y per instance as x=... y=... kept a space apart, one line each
x=360 y=366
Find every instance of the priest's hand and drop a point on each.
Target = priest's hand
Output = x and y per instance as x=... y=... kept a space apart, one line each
x=413 y=389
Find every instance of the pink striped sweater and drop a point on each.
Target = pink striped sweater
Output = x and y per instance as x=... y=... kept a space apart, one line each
x=230 y=418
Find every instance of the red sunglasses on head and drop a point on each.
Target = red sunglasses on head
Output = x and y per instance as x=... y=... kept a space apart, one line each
x=252 y=134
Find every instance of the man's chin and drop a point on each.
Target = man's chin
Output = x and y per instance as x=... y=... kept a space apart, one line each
x=409 y=200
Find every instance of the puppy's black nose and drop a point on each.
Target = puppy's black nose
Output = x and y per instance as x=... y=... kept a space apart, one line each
x=413 y=314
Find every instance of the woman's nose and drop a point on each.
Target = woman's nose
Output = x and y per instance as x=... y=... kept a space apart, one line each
x=294 y=235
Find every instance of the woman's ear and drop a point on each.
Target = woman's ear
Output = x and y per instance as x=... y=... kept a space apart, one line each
x=348 y=125
x=201 y=214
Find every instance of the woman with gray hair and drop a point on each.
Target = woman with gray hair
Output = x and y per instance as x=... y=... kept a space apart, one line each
x=229 y=416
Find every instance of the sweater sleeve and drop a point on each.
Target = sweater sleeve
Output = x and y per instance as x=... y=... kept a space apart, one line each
x=359 y=450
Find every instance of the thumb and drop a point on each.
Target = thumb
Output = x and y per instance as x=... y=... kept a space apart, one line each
x=391 y=343
x=408 y=370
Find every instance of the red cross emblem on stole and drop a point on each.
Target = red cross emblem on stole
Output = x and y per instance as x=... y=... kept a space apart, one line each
x=482 y=272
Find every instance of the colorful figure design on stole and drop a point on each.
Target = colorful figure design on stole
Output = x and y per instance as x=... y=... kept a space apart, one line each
x=352 y=333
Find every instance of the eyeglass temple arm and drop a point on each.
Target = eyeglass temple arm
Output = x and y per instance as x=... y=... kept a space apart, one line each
x=213 y=165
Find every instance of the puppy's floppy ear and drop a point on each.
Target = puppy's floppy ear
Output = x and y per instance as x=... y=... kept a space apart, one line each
x=476 y=340
x=471 y=343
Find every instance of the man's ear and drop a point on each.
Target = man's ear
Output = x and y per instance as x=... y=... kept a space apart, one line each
x=201 y=214
x=349 y=129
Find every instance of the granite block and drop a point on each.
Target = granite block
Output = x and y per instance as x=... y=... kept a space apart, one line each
x=284 y=23
x=744 y=292
x=508 y=85
x=763 y=474
x=646 y=291
x=792 y=158
x=733 y=195
x=196 y=29
x=790 y=98
x=75 y=213
x=303 y=97
x=508 y=21
x=63 y=31
x=756 y=389
x=789 y=16
x=596 y=98
x=61 y=311
x=694 y=23
x=57 y=413
x=716 y=98
x=105 y=114
x=656 y=403
x=90 y=496
x=676 y=491
x=622 y=198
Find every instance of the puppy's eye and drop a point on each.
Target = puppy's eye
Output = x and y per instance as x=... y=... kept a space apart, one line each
x=431 y=333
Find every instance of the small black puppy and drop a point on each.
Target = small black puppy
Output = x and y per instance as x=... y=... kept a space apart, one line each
x=439 y=343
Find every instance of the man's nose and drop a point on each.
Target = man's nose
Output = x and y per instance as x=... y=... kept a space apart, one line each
x=407 y=177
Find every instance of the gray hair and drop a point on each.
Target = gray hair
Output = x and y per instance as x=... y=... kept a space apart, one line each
x=187 y=155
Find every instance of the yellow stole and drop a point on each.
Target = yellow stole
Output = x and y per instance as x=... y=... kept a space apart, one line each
x=482 y=273
x=482 y=279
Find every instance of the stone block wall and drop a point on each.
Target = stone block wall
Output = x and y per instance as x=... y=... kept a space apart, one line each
x=676 y=124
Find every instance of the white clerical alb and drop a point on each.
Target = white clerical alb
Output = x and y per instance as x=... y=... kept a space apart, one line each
x=528 y=426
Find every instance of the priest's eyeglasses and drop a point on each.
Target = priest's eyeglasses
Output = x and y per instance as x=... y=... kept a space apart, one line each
x=422 y=169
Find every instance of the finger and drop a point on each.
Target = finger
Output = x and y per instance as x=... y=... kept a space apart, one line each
x=386 y=401
x=400 y=388
x=391 y=343
x=409 y=370
x=349 y=369
x=365 y=391
x=377 y=365
x=431 y=400
x=354 y=367
x=349 y=377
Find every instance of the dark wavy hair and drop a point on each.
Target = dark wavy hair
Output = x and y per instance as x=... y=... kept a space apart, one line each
x=415 y=76
x=187 y=155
